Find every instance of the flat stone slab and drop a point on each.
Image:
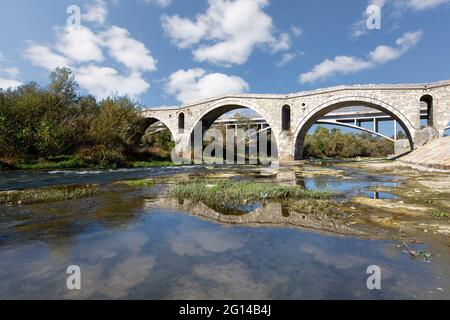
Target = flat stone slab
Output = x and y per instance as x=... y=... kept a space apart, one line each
x=434 y=154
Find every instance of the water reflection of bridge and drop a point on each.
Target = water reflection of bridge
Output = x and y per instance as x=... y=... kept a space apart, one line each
x=268 y=215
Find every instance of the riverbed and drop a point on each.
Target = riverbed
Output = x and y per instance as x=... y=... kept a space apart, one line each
x=139 y=243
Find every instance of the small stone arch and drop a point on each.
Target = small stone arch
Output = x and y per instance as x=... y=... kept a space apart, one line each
x=286 y=118
x=181 y=122
x=318 y=112
x=426 y=101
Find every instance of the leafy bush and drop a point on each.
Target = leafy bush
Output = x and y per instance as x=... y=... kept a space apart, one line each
x=333 y=143
x=104 y=156
x=39 y=123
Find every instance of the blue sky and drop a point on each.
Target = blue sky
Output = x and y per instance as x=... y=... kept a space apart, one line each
x=164 y=52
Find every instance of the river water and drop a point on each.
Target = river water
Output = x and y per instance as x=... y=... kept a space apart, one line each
x=135 y=244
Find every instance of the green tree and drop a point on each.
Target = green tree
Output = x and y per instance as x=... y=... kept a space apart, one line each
x=324 y=143
x=117 y=124
x=63 y=84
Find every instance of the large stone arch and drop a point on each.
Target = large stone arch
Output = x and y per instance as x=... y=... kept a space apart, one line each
x=217 y=109
x=321 y=110
x=225 y=105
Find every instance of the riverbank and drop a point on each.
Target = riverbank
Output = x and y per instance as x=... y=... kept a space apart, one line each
x=417 y=203
x=435 y=155
x=71 y=162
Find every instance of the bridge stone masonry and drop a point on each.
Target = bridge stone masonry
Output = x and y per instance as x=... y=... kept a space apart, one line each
x=291 y=116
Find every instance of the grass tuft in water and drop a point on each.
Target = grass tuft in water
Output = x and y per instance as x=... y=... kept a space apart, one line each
x=440 y=214
x=239 y=193
x=314 y=206
x=47 y=194
x=144 y=183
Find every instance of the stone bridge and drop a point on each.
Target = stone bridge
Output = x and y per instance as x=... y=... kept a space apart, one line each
x=290 y=116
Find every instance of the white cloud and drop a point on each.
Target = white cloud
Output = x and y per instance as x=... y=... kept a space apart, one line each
x=159 y=3
x=79 y=47
x=12 y=72
x=409 y=40
x=104 y=81
x=227 y=33
x=124 y=49
x=195 y=84
x=396 y=8
x=383 y=54
x=347 y=65
x=79 y=44
x=339 y=65
x=9 y=83
x=183 y=32
x=43 y=56
x=297 y=31
x=283 y=43
x=286 y=58
x=96 y=12
x=379 y=3
x=419 y=5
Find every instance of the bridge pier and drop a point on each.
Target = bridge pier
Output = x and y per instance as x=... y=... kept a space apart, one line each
x=286 y=147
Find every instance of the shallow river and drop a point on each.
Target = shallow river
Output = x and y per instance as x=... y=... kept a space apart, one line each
x=131 y=243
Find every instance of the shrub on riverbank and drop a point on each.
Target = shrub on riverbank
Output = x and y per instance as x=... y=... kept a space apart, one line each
x=325 y=143
x=152 y=164
x=47 y=194
x=53 y=163
x=4 y=166
x=75 y=162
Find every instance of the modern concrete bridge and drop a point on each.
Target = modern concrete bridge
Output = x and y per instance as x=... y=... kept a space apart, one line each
x=291 y=116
